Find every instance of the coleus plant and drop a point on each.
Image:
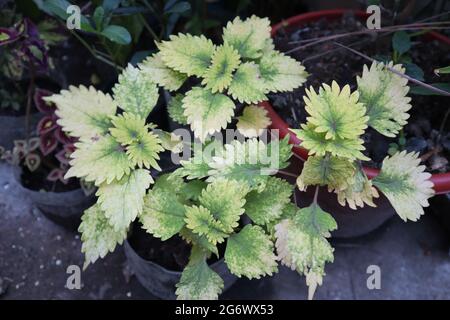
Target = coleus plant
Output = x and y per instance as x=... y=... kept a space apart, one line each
x=243 y=69
x=337 y=119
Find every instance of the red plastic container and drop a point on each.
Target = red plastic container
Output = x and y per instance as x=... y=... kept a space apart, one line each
x=441 y=180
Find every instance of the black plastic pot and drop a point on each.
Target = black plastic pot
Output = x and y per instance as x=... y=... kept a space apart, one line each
x=161 y=282
x=63 y=208
x=13 y=128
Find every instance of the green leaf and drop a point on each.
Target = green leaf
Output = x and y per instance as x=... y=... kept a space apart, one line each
x=401 y=42
x=266 y=206
x=384 y=95
x=247 y=85
x=161 y=74
x=97 y=235
x=403 y=181
x=302 y=245
x=198 y=281
x=207 y=112
x=117 y=34
x=175 y=109
x=101 y=161
x=178 y=7
x=334 y=172
x=144 y=152
x=187 y=54
x=219 y=74
x=336 y=112
x=281 y=73
x=136 y=92
x=248 y=37
x=250 y=253
x=164 y=213
x=84 y=113
x=202 y=222
x=169 y=140
x=253 y=121
x=199 y=241
x=122 y=201
x=128 y=128
x=443 y=70
x=419 y=90
x=98 y=17
x=225 y=199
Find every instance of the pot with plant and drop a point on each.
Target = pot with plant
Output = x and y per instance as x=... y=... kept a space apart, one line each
x=334 y=46
x=42 y=162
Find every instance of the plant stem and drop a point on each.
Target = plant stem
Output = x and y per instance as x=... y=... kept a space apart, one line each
x=441 y=128
x=420 y=83
x=287 y=173
x=29 y=99
x=149 y=29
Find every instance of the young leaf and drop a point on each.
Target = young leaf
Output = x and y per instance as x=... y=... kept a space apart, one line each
x=122 y=201
x=336 y=112
x=266 y=206
x=176 y=111
x=161 y=74
x=403 y=181
x=202 y=222
x=101 y=161
x=401 y=42
x=250 y=253
x=199 y=241
x=302 y=245
x=219 y=74
x=128 y=128
x=97 y=235
x=207 y=112
x=318 y=145
x=384 y=95
x=198 y=281
x=248 y=37
x=163 y=214
x=247 y=85
x=136 y=92
x=281 y=73
x=253 y=121
x=334 y=172
x=225 y=199
x=187 y=54
x=360 y=191
x=117 y=34
x=144 y=151
x=84 y=113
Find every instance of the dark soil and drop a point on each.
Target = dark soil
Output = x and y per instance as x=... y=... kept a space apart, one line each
x=37 y=181
x=326 y=62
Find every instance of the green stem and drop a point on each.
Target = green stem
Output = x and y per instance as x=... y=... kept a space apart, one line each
x=149 y=29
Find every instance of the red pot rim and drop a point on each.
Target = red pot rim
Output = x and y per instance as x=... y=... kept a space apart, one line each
x=441 y=180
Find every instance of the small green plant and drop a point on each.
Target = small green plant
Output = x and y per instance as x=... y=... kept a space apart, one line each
x=333 y=135
x=245 y=68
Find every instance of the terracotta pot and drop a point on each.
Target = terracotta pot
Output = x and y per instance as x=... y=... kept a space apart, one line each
x=351 y=223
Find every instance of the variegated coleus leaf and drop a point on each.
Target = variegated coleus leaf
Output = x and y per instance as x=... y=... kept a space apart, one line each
x=144 y=152
x=281 y=73
x=336 y=122
x=219 y=74
x=122 y=200
x=164 y=211
x=136 y=93
x=403 y=181
x=100 y=161
x=207 y=112
x=128 y=128
x=251 y=161
x=253 y=121
x=175 y=109
x=201 y=221
x=384 y=96
x=97 y=235
x=248 y=37
x=267 y=205
x=334 y=172
x=84 y=113
x=162 y=75
x=247 y=85
x=198 y=281
x=302 y=245
x=250 y=253
x=187 y=54
x=359 y=192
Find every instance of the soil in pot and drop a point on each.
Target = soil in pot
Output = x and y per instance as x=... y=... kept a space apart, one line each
x=426 y=131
